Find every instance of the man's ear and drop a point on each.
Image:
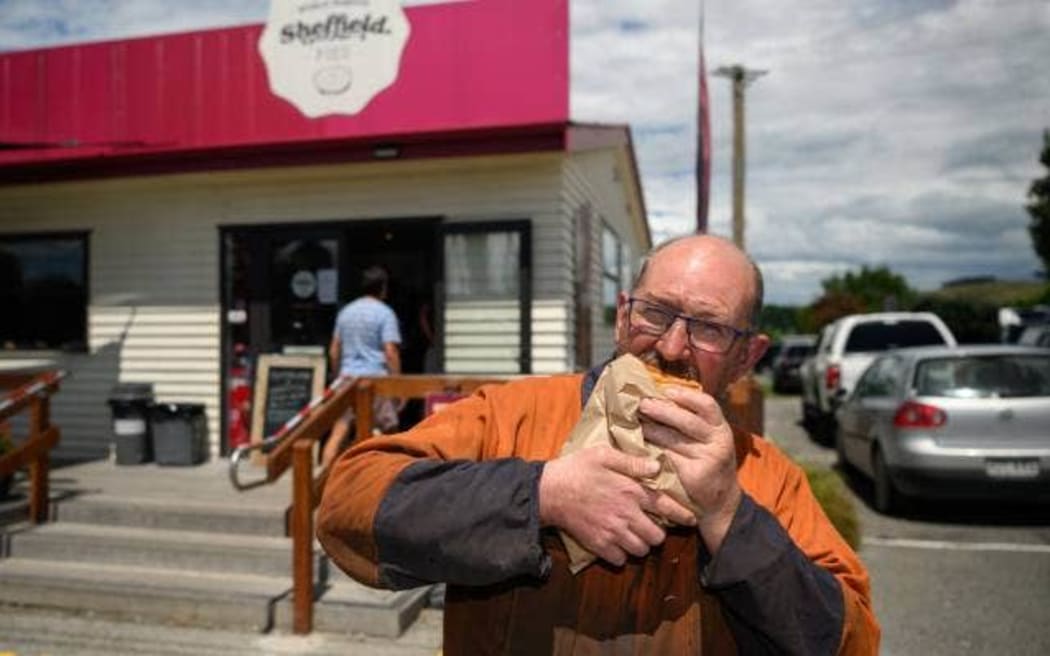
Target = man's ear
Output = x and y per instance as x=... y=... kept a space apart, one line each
x=756 y=347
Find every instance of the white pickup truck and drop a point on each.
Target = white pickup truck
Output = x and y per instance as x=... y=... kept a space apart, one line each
x=844 y=350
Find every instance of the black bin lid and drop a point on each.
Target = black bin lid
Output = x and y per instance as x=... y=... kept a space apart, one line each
x=177 y=409
x=131 y=392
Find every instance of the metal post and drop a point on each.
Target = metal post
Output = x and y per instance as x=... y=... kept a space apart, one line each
x=741 y=78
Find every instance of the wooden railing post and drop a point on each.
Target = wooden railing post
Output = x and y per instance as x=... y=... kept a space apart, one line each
x=364 y=398
x=747 y=404
x=39 y=466
x=302 y=538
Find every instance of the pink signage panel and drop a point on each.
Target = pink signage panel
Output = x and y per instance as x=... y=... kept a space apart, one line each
x=468 y=64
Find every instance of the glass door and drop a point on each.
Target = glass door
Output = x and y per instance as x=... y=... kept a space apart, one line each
x=280 y=294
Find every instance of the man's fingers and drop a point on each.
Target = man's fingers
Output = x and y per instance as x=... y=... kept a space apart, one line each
x=634 y=466
x=669 y=439
x=701 y=404
x=663 y=505
x=648 y=532
x=611 y=553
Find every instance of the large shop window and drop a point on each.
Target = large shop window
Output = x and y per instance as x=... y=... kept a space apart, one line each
x=44 y=291
x=615 y=274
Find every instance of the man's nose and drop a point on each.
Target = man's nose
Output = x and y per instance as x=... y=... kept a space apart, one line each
x=674 y=343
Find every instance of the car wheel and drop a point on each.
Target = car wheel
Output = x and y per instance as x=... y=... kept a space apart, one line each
x=887 y=498
x=840 y=451
x=825 y=429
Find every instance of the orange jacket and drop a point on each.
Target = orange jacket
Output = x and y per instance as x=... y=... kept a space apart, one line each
x=454 y=499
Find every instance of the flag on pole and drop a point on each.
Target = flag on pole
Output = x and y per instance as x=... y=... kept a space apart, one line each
x=703 y=135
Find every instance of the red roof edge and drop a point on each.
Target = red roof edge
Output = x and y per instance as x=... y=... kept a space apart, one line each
x=543 y=137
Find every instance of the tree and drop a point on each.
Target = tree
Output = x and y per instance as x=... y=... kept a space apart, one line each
x=1039 y=207
x=869 y=290
x=878 y=289
x=829 y=307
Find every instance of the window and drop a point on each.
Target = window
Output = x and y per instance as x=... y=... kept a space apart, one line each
x=1002 y=376
x=881 y=378
x=615 y=273
x=44 y=291
x=482 y=265
x=879 y=336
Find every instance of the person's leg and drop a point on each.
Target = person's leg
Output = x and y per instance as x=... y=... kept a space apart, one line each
x=334 y=445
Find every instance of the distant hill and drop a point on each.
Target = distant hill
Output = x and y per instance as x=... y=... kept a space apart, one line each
x=992 y=292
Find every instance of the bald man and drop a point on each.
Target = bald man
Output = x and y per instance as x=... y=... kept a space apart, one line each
x=475 y=496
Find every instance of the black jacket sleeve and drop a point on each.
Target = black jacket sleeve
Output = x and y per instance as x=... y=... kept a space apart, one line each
x=461 y=522
x=776 y=600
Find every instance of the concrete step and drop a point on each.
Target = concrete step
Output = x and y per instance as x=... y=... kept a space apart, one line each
x=57 y=633
x=14 y=510
x=168 y=549
x=206 y=599
x=172 y=513
x=343 y=604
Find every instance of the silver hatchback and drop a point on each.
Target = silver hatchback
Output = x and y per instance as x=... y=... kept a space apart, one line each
x=968 y=422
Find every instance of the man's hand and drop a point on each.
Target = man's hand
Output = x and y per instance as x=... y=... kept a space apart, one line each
x=693 y=432
x=594 y=495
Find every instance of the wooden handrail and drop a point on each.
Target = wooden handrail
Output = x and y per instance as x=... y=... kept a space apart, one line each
x=293 y=447
x=413 y=386
x=307 y=490
x=34 y=453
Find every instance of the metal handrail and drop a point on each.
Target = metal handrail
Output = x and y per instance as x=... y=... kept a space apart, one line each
x=271 y=442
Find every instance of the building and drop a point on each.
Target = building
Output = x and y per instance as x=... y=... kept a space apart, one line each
x=167 y=212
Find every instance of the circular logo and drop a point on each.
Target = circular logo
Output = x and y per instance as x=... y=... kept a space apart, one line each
x=333 y=56
x=304 y=284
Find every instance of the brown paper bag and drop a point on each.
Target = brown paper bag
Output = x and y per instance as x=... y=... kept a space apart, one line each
x=611 y=417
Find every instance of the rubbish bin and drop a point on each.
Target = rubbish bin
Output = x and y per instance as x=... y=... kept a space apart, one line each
x=180 y=433
x=129 y=404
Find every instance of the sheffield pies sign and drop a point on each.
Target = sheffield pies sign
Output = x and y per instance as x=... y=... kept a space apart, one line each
x=333 y=56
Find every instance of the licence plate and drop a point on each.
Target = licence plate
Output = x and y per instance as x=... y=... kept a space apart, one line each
x=1012 y=468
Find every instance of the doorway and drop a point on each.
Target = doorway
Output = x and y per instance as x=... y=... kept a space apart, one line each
x=283 y=285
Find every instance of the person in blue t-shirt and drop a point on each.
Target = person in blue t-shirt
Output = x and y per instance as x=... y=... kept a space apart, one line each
x=366 y=341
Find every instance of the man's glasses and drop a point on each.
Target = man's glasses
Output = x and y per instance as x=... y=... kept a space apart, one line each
x=655 y=320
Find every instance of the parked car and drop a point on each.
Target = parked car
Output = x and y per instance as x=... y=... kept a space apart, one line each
x=766 y=361
x=951 y=422
x=794 y=349
x=845 y=349
x=1035 y=335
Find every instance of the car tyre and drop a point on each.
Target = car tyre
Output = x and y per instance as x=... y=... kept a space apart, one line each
x=887 y=499
x=840 y=452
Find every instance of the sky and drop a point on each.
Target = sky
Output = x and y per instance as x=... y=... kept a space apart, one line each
x=897 y=133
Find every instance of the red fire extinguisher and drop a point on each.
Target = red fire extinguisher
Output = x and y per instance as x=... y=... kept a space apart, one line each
x=239 y=401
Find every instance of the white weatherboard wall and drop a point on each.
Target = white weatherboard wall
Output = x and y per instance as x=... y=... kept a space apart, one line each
x=154 y=263
x=596 y=178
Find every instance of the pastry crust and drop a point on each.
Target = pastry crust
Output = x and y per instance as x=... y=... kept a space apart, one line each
x=663 y=379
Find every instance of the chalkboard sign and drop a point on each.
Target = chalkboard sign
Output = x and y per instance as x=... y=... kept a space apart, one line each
x=284 y=385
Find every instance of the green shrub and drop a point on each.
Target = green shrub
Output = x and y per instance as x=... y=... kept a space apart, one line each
x=837 y=504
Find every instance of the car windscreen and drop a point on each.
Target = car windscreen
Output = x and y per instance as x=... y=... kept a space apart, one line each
x=796 y=352
x=879 y=336
x=984 y=376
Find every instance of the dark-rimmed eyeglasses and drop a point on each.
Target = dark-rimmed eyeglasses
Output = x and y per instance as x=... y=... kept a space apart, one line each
x=653 y=319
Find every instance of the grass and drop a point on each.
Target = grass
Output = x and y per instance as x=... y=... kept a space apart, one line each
x=831 y=493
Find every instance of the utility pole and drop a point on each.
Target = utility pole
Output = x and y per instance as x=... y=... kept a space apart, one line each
x=741 y=77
